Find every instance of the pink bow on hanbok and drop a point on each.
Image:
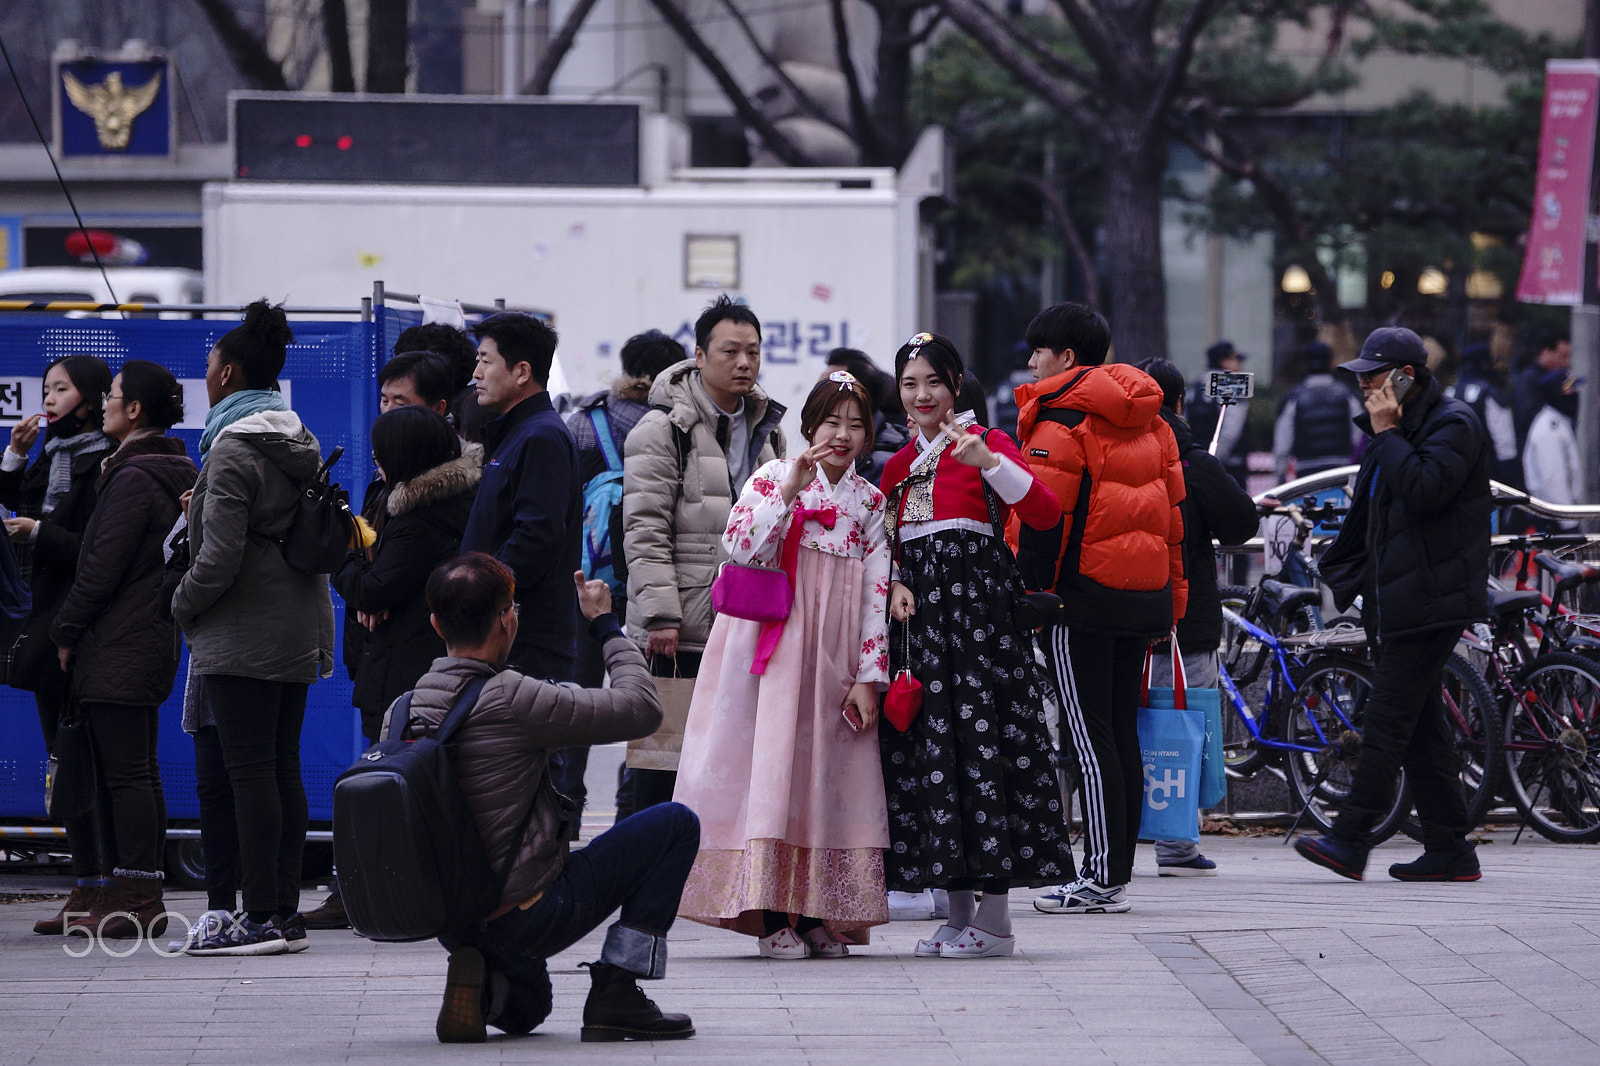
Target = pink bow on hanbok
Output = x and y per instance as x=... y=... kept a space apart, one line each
x=772 y=631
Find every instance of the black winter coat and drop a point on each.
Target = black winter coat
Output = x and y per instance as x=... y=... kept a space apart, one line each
x=52 y=558
x=355 y=634
x=529 y=515
x=125 y=644
x=1214 y=508
x=425 y=519
x=1416 y=540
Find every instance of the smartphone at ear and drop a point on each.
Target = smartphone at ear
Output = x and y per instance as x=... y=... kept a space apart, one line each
x=1400 y=382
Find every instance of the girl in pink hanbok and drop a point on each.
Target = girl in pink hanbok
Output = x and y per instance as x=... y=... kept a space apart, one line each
x=780 y=753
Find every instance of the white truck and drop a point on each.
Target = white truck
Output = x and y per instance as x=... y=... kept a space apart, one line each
x=826 y=258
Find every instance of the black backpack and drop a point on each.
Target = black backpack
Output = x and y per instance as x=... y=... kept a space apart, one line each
x=410 y=862
x=322 y=532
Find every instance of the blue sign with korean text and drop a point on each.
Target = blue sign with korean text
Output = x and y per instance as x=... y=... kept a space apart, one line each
x=112 y=108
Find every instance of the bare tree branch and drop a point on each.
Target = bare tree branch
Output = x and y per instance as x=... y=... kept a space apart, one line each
x=1177 y=67
x=557 y=49
x=336 y=28
x=248 y=52
x=1049 y=59
x=771 y=62
x=388 y=41
x=780 y=145
x=1069 y=231
x=1087 y=26
x=979 y=23
x=1235 y=160
x=921 y=36
x=867 y=135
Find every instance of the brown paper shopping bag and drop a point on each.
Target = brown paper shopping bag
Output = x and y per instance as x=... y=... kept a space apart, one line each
x=660 y=750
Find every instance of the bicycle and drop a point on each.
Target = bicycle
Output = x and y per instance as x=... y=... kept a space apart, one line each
x=1316 y=694
x=1282 y=608
x=1550 y=702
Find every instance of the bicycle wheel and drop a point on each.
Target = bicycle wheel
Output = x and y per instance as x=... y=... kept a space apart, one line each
x=1471 y=719
x=1242 y=656
x=1552 y=747
x=1325 y=713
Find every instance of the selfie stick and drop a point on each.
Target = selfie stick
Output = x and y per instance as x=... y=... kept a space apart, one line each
x=1216 y=434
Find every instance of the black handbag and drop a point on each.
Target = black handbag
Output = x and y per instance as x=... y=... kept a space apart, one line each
x=32 y=657
x=69 y=782
x=323 y=528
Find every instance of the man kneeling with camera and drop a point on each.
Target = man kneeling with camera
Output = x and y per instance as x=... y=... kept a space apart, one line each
x=497 y=974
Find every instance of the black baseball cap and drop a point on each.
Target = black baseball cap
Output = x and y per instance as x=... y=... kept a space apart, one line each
x=1387 y=347
x=1220 y=351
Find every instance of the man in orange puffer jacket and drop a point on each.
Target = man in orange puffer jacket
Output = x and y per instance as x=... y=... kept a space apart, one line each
x=1094 y=434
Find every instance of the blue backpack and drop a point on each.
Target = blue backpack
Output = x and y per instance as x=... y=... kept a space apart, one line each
x=602 y=499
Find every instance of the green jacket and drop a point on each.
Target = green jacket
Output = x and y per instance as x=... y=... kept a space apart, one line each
x=244 y=610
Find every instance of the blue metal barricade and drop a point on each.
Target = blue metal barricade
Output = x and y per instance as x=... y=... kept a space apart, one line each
x=330 y=376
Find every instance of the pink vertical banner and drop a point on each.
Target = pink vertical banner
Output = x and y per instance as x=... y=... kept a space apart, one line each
x=1552 y=267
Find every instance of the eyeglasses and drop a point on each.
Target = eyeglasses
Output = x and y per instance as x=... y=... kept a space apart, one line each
x=113 y=396
x=1367 y=377
x=514 y=607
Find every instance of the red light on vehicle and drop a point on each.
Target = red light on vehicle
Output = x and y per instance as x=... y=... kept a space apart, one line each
x=79 y=242
x=303 y=141
x=345 y=142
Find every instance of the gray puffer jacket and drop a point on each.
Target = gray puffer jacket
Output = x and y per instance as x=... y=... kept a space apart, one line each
x=677 y=494
x=503 y=749
x=244 y=610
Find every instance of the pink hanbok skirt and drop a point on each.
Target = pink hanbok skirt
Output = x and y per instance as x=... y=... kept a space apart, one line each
x=790 y=799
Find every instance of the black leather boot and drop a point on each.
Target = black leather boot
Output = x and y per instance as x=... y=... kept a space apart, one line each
x=618 y=1010
x=461 y=1013
x=1458 y=864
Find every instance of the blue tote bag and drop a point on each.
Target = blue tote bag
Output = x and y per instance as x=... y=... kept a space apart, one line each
x=1208 y=701
x=1171 y=741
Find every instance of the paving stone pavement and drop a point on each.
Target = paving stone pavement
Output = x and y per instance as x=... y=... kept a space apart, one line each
x=1273 y=961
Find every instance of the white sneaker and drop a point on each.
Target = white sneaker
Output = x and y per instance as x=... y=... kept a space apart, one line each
x=929 y=949
x=1084 y=897
x=974 y=943
x=914 y=906
x=941 y=903
x=784 y=944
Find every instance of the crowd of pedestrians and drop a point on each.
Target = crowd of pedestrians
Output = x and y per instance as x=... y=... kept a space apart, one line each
x=586 y=573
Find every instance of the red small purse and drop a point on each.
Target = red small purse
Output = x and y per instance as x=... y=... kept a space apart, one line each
x=904 y=698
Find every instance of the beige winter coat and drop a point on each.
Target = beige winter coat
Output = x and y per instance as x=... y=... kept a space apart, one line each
x=503 y=749
x=673 y=525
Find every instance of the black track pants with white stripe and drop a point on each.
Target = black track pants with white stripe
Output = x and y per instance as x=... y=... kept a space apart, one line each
x=1097 y=678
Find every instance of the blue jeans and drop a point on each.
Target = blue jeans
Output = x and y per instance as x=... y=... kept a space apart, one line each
x=639 y=865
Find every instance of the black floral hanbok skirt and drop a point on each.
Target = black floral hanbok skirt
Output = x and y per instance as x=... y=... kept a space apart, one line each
x=971 y=785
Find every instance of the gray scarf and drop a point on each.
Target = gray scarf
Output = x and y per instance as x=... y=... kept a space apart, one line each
x=61 y=451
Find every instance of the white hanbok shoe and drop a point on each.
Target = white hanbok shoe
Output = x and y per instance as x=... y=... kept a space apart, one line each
x=823 y=944
x=784 y=944
x=929 y=949
x=974 y=943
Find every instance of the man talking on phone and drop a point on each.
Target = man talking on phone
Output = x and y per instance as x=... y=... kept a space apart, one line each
x=1415 y=547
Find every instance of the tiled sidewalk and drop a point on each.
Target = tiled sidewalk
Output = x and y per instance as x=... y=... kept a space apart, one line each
x=1273 y=961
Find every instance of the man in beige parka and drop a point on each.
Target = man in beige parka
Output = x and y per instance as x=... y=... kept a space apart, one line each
x=711 y=427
